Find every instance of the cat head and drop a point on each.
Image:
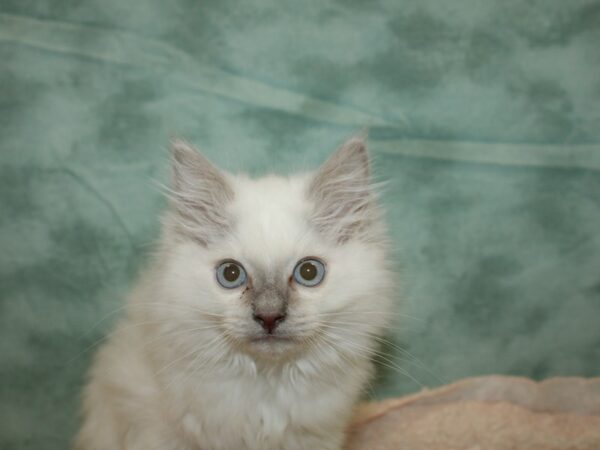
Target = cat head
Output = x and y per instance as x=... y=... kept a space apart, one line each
x=277 y=265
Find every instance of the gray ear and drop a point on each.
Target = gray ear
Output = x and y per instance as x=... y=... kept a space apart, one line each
x=199 y=195
x=342 y=194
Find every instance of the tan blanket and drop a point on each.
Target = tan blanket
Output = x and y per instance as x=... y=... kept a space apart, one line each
x=487 y=413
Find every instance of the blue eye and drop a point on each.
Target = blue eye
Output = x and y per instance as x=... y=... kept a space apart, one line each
x=231 y=274
x=309 y=272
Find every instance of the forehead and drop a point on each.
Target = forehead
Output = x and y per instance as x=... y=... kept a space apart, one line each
x=270 y=218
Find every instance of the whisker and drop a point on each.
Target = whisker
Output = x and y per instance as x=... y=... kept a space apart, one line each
x=196 y=369
x=104 y=338
x=112 y=333
x=187 y=355
x=103 y=318
x=173 y=306
x=414 y=361
x=150 y=306
x=171 y=333
x=381 y=358
x=368 y=389
x=381 y=313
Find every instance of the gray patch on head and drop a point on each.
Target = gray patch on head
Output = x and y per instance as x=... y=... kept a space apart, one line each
x=269 y=292
x=270 y=300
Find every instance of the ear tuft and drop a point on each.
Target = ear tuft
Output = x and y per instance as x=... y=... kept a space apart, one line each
x=342 y=193
x=199 y=195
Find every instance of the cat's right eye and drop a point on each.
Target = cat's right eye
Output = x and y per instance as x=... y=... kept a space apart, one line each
x=231 y=274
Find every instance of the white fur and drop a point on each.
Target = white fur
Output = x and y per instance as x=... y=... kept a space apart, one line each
x=179 y=373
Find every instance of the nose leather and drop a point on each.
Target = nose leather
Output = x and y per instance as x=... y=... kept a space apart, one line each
x=269 y=322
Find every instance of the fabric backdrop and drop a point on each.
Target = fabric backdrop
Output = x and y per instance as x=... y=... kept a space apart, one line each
x=484 y=118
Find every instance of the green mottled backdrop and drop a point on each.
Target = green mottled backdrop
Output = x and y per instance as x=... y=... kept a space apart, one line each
x=484 y=116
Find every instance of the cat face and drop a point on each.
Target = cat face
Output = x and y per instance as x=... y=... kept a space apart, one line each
x=279 y=266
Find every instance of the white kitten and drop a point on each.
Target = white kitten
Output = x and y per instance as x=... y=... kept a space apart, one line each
x=254 y=326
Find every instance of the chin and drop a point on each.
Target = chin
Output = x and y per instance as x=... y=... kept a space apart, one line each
x=273 y=346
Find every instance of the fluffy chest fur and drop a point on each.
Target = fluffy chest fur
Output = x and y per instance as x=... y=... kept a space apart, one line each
x=271 y=411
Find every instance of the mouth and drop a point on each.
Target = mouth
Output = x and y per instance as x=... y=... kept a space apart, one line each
x=271 y=345
x=271 y=338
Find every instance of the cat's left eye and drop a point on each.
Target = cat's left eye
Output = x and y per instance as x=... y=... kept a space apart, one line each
x=309 y=272
x=231 y=274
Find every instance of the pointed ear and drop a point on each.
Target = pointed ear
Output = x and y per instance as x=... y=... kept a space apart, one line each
x=199 y=194
x=342 y=193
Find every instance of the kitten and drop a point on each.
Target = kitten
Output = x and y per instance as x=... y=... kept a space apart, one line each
x=254 y=326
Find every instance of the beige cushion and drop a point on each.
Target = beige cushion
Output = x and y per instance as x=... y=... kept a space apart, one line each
x=486 y=413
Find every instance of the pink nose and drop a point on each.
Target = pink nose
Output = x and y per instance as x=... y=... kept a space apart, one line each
x=269 y=321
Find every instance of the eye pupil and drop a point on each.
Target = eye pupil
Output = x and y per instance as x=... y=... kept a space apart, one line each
x=308 y=271
x=231 y=272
